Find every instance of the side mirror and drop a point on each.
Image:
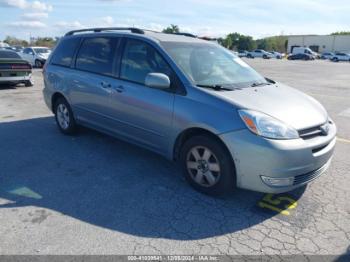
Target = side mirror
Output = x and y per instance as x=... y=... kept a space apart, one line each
x=31 y=53
x=157 y=80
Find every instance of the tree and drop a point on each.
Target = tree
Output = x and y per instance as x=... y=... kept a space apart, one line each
x=171 y=29
x=45 y=41
x=341 y=33
x=276 y=43
x=246 y=43
x=237 y=41
x=12 y=41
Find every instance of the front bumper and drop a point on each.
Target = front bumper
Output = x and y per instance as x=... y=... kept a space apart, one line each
x=299 y=160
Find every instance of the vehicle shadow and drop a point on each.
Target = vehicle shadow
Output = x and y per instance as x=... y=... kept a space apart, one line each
x=108 y=183
x=7 y=86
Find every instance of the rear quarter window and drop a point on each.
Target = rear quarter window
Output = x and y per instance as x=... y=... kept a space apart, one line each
x=64 y=52
x=96 y=55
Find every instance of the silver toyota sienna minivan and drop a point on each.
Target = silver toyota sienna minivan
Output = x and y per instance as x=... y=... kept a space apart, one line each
x=192 y=101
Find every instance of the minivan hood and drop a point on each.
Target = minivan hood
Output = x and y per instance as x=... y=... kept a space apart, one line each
x=281 y=102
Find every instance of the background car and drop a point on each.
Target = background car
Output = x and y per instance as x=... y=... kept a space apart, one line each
x=300 y=57
x=242 y=53
x=327 y=55
x=8 y=48
x=339 y=56
x=259 y=53
x=277 y=55
x=13 y=69
x=18 y=48
x=36 y=56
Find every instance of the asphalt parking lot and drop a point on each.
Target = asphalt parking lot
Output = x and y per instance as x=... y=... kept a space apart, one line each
x=92 y=194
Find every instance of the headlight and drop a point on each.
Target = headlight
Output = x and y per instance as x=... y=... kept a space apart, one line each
x=267 y=126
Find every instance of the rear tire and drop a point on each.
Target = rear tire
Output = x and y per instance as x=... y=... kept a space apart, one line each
x=207 y=166
x=38 y=64
x=64 y=117
x=28 y=83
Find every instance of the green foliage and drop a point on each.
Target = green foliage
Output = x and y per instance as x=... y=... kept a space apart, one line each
x=237 y=41
x=341 y=33
x=40 y=41
x=246 y=43
x=12 y=41
x=171 y=29
x=273 y=43
x=45 y=41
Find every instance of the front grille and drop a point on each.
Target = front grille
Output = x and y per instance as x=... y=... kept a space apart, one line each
x=310 y=132
x=305 y=178
x=320 y=130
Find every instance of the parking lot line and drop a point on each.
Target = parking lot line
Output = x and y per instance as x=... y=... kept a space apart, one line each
x=280 y=203
x=343 y=140
x=337 y=97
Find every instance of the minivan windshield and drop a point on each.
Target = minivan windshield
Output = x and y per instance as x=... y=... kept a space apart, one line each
x=207 y=64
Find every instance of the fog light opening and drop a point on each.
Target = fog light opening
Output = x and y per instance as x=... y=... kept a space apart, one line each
x=277 y=182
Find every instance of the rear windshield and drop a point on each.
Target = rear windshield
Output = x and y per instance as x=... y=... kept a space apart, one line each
x=9 y=54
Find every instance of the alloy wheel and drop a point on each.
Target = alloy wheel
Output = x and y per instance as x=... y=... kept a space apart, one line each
x=203 y=166
x=63 y=116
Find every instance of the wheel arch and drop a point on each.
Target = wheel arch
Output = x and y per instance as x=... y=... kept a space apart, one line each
x=54 y=98
x=192 y=132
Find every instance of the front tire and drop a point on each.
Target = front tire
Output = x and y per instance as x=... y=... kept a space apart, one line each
x=207 y=166
x=64 y=117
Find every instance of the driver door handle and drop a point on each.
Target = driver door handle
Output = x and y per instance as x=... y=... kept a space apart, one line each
x=120 y=89
x=106 y=85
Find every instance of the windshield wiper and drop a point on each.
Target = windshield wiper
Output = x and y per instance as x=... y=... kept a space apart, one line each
x=259 y=84
x=215 y=87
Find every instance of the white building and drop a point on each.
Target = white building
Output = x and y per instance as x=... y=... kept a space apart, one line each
x=320 y=43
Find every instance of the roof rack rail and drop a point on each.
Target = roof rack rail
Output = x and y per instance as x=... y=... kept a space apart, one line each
x=100 y=29
x=185 y=34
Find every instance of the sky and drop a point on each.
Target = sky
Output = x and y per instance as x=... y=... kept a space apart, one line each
x=214 y=18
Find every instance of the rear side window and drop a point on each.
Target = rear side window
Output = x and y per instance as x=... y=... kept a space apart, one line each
x=97 y=55
x=64 y=53
x=139 y=59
